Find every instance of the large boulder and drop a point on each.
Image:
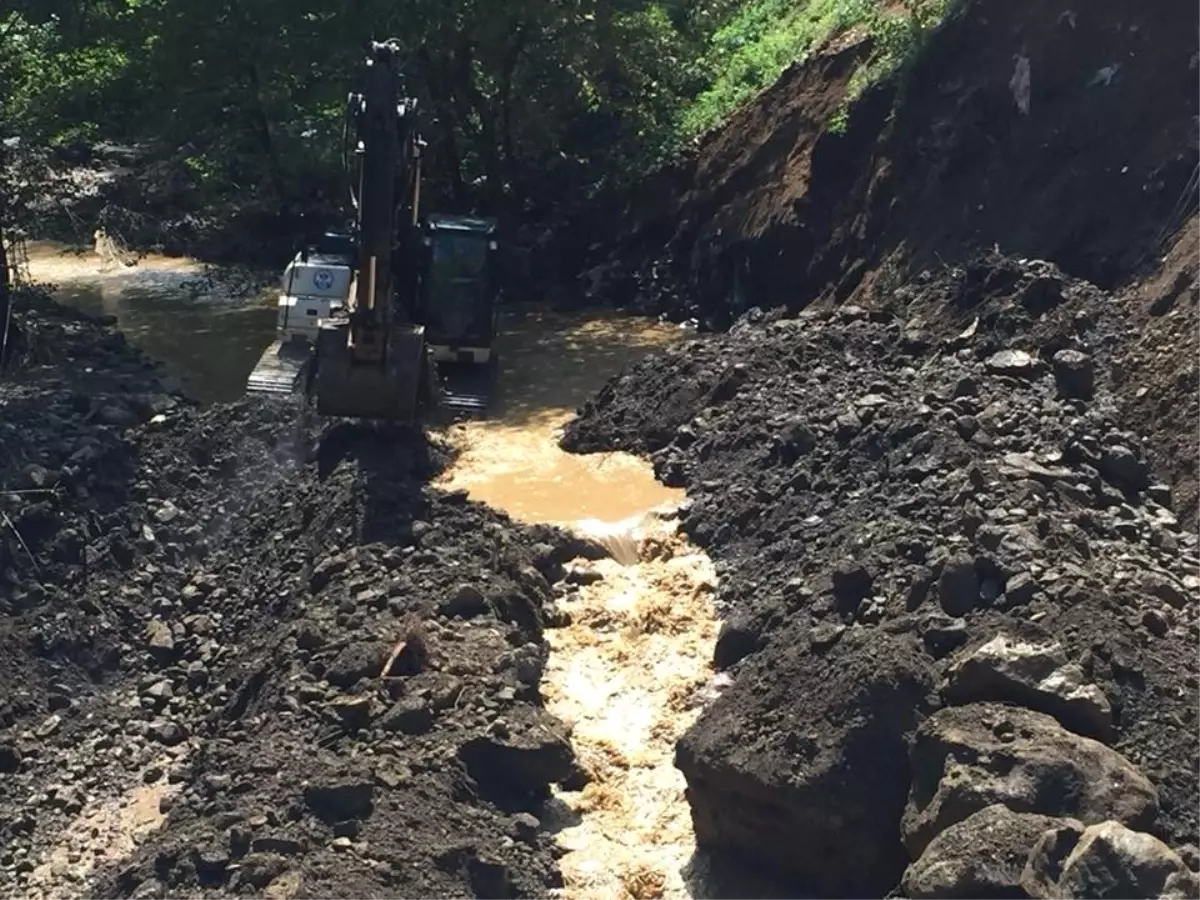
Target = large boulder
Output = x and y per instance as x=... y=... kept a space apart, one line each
x=1105 y=860
x=802 y=767
x=981 y=856
x=1034 y=673
x=966 y=758
x=519 y=757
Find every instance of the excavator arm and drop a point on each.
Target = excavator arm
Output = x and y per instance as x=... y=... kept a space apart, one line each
x=371 y=365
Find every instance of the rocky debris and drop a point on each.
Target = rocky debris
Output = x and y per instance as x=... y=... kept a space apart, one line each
x=806 y=754
x=966 y=758
x=341 y=799
x=208 y=603
x=1033 y=673
x=972 y=504
x=1105 y=860
x=981 y=856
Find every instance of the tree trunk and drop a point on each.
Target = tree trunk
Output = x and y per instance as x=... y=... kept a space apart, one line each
x=8 y=331
x=447 y=142
x=508 y=153
x=464 y=87
x=262 y=129
x=4 y=276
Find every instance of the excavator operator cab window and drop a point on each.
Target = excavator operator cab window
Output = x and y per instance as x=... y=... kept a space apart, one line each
x=458 y=294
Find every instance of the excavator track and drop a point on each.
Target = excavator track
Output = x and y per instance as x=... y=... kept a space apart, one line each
x=281 y=369
x=465 y=388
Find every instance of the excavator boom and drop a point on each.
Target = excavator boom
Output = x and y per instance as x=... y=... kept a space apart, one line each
x=371 y=364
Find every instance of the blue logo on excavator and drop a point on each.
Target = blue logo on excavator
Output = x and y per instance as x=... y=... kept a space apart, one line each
x=322 y=279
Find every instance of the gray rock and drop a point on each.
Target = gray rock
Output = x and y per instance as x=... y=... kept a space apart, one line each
x=830 y=772
x=943 y=635
x=958 y=586
x=161 y=641
x=1020 y=589
x=1033 y=673
x=965 y=758
x=410 y=715
x=1167 y=589
x=1105 y=861
x=353 y=712
x=466 y=601
x=309 y=636
x=1017 y=363
x=526 y=827
x=362 y=659
x=10 y=758
x=1122 y=467
x=168 y=733
x=166 y=513
x=160 y=692
x=981 y=856
x=1074 y=374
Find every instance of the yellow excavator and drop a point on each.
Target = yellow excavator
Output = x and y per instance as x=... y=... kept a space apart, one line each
x=400 y=311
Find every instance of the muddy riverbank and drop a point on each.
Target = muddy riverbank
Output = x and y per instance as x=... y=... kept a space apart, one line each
x=235 y=586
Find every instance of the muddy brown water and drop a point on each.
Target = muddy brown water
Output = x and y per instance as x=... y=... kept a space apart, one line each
x=632 y=670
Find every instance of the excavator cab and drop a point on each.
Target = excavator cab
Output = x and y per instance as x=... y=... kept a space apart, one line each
x=458 y=302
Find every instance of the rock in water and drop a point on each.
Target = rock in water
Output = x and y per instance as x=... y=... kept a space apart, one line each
x=1033 y=673
x=1105 y=861
x=805 y=756
x=981 y=856
x=966 y=758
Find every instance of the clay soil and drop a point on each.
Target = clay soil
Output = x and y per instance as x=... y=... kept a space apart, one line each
x=246 y=653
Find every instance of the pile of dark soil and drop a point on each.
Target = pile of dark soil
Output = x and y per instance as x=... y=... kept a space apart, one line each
x=333 y=667
x=888 y=489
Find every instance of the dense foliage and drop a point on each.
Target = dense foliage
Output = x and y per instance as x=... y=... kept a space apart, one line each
x=526 y=101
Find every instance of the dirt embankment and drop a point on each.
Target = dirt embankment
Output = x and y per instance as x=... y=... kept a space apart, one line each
x=1088 y=168
x=325 y=673
x=953 y=516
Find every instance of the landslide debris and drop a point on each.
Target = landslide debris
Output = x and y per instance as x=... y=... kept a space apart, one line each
x=325 y=673
x=913 y=521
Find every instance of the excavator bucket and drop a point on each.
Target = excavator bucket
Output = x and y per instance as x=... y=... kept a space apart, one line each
x=390 y=390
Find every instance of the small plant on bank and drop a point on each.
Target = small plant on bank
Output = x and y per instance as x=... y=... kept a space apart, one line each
x=899 y=37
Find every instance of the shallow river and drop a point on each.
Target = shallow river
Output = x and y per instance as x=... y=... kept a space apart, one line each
x=632 y=670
